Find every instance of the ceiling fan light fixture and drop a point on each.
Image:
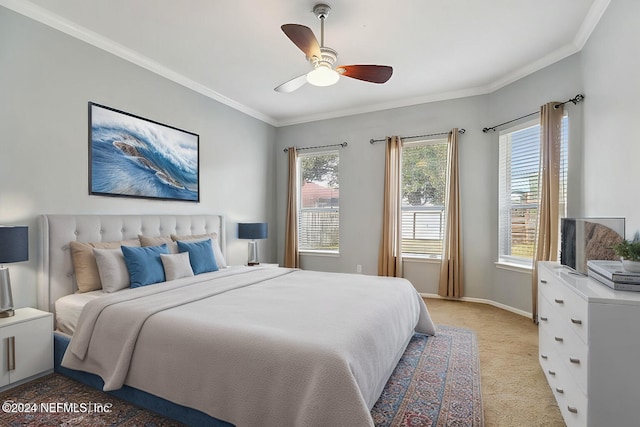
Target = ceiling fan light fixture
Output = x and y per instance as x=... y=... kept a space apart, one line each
x=323 y=76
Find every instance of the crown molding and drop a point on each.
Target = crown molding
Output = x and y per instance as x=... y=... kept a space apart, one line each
x=52 y=20
x=57 y=22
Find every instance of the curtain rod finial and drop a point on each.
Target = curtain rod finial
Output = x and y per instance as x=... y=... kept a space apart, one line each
x=461 y=131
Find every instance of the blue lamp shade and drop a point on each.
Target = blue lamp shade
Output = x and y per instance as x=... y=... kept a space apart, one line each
x=14 y=247
x=253 y=230
x=14 y=244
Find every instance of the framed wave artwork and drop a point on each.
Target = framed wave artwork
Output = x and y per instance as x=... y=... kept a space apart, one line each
x=130 y=156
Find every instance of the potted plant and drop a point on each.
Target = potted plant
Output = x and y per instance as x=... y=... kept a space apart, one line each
x=629 y=251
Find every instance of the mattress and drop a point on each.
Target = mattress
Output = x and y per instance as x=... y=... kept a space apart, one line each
x=68 y=309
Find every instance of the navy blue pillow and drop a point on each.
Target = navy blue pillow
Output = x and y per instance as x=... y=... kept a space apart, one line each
x=144 y=264
x=200 y=255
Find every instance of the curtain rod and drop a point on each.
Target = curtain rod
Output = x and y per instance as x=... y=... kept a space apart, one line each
x=578 y=98
x=344 y=144
x=460 y=131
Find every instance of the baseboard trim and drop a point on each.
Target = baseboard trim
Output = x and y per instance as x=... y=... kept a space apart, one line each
x=482 y=301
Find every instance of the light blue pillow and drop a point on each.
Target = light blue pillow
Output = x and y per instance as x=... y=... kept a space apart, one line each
x=200 y=255
x=144 y=264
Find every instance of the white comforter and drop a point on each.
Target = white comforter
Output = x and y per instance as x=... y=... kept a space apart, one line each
x=255 y=346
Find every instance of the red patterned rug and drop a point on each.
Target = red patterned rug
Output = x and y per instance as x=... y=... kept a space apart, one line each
x=436 y=383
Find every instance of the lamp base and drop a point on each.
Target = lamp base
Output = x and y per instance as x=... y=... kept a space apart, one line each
x=253 y=253
x=7 y=313
x=6 y=299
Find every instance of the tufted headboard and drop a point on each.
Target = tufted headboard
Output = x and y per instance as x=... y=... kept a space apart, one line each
x=55 y=275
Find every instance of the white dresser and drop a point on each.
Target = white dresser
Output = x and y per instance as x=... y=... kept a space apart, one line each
x=589 y=338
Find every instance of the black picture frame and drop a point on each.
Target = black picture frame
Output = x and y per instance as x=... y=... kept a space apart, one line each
x=132 y=156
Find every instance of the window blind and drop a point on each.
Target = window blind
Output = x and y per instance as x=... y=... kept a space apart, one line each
x=519 y=197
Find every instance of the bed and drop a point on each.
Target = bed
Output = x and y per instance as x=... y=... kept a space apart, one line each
x=246 y=346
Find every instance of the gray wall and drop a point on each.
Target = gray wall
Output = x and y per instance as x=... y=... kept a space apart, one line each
x=362 y=170
x=611 y=73
x=46 y=80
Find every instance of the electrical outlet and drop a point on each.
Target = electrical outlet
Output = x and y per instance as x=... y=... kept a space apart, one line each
x=358 y=268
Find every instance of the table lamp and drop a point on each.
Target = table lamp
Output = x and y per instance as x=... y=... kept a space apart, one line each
x=14 y=247
x=253 y=231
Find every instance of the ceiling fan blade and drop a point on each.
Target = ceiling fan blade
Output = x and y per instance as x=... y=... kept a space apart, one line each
x=303 y=37
x=368 y=73
x=292 y=84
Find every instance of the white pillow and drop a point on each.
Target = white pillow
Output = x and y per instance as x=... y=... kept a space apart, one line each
x=176 y=266
x=113 y=271
x=215 y=245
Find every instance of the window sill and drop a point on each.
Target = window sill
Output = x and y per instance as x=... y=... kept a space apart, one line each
x=513 y=267
x=429 y=259
x=320 y=253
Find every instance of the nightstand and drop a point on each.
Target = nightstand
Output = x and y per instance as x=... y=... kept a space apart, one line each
x=26 y=346
x=267 y=265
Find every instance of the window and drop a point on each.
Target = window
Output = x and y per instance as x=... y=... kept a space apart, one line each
x=318 y=202
x=424 y=179
x=518 y=190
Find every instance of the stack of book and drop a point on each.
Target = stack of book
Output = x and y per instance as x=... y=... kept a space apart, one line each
x=613 y=275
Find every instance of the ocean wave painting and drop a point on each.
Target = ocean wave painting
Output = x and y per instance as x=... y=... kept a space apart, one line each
x=135 y=157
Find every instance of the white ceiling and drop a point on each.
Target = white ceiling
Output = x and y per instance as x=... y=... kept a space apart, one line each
x=235 y=52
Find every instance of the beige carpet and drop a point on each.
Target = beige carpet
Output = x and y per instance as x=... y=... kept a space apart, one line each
x=514 y=389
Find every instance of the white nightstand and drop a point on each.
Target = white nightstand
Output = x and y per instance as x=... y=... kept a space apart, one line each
x=26 y=346
x=267 y=265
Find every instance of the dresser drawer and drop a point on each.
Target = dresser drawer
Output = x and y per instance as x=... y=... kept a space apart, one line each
x=572 y=402
x=575 y=356
x=577 y=314
x=548 y=287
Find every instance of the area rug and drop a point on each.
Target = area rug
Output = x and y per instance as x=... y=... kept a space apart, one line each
x=436 y=383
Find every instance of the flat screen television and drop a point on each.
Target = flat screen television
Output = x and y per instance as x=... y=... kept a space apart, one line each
x=583 y=239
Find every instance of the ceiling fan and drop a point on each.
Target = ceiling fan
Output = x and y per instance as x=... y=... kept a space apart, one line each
x=323 y=58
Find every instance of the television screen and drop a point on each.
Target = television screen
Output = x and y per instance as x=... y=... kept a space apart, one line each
x=583 y=239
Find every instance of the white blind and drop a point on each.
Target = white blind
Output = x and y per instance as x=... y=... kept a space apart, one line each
x=519 y=197
x=319 y=202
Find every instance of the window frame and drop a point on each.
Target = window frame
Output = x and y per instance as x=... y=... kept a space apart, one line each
x=300 y=208
x=510 y=260
x=411 y=144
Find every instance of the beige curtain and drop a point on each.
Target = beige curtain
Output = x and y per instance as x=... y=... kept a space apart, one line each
x=549 y=183
x=291 y=254
x=451 y=283
x=390 y=254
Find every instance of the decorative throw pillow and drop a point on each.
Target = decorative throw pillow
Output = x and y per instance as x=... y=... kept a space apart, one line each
x=114 y=274
x=176 y=266
x=215 y=244
x=84 y=262
x=157 y=241
x=144 y=264
x=200 y=255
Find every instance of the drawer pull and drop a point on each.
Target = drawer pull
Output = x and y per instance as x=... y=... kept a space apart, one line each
x=559 y=390
x=11 y=353
x=576 y=321
x=572 y=409
x=559 y=301
x=551 y=372
x=545 y=319
x=543 y=281
x=574 y=360
x=544 y=356
x=559 y=339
